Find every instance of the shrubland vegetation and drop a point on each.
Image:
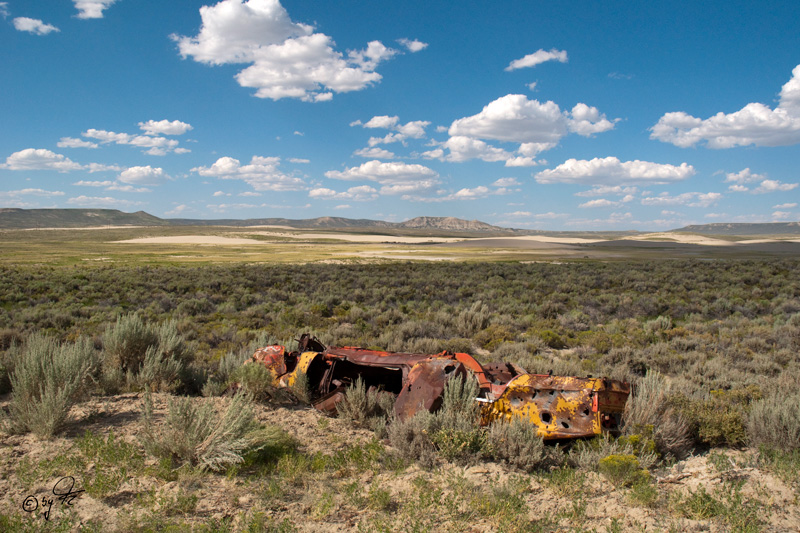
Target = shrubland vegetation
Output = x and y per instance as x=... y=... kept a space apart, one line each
x=711 y=348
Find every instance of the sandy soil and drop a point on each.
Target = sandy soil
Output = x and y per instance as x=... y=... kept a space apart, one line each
x=221 y=496
x=190 y=239
x=352 y=237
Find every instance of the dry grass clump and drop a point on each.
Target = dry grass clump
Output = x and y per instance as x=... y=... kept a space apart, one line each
x=452 y=432
x=142 y=356
x=48 y=379
x=775 y=422
x=365 y=407
x=518 y=443
x=648 y=412
x=201 y=436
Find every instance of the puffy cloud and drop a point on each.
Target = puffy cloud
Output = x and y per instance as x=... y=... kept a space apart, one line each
x=262 y=173
x=127 y=188
x=413 y=46
x=299 y=161
x=600 y=202
x=92 y=9
x=156 y=145
x=791 y=205
x=413 y=130
x=96 y=201
x=374 y=153
x=34 y=26
x=83 y=183
x=608 y=189
x=587 y=120
x=287 y=59
x=165 y=127
x=755 y=123
x=146 y=175
x=738 y=188
x=39 y=159
x=768 y=186
x=782 y=215
x=4 y=9
x=463 y=148
x=514 y=118
x=360 y=193
x=692 y=199
x=743 y=176
x=538 y=57
x=382 y=121
x=610 y=170
x=179 y=209
x=506 y=182
x=71 y=142
x=30 y=192
x=395 y=177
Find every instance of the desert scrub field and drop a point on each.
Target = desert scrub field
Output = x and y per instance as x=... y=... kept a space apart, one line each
x=712 y=439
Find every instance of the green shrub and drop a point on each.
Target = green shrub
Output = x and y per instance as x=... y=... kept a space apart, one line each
x=202 y=436
x=218 y=382
x=141 y=356
x=648 y=412
x=48 y=379
x=518 y=443
x=301 y=388
x=255 y=379
x=365 y=407
x=623 y=470
x=552 y=339
x=719 y=419
x=775 y=422
x=412 y=438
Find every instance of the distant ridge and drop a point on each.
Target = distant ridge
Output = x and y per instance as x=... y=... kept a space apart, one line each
x=12 y=218
x=770 y=228
x=83 y=218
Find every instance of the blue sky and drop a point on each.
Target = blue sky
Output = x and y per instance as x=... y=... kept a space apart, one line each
x=573 y=115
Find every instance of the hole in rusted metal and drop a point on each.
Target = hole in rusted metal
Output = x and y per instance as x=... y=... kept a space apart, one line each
x=564 y=425
x=546 y=418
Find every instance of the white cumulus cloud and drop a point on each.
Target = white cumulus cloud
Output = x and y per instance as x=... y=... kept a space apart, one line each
x=165 y=127
x=374 y=153
x=413 y=45
x=262 y=173
x=145 y=175
x=35 y=26
x=71 y=142
x=768 y=186
x=790 y=205
x=97 y=201
x=691 y=199
x=395 y=177
x=286 y=59
x=754 y=124
x=92 y=9
x=359 y=194
x=39 y=159
x=538 y=57
x=610 y=170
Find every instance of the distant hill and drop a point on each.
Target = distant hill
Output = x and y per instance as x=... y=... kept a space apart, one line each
x=74 y=218
x=772 y=228
x=448 y=223
x=81 y=218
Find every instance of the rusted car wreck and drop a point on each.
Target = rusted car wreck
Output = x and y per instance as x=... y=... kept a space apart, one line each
x=561 y=407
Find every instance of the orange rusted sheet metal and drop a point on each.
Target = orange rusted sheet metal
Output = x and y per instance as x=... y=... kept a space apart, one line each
x=561 y=407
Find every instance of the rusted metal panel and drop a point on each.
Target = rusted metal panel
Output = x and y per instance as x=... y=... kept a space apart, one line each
x=424 y=386
x=561 y=407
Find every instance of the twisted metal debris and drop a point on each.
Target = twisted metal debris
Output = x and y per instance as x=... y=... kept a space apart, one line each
x=561 y=407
